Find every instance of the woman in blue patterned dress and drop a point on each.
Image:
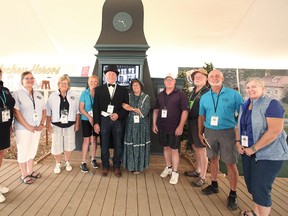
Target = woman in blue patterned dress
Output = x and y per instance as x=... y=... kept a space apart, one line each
x=137 y=141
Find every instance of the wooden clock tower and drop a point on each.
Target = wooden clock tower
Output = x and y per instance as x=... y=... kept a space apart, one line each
x=122 y=41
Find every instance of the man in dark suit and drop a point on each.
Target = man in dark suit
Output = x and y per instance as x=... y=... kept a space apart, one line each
x=108 y=116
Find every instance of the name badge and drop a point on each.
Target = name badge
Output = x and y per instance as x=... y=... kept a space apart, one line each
x=64 y=119
x=244 y=141
x=164 y=113
x=214 y=120
x=110 y=109
x=35 y=117
x=64 y=116
x=5 y=115
x=90 y=113
x=136 y=119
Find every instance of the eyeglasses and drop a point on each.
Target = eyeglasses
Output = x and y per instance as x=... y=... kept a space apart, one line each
x=29 y=78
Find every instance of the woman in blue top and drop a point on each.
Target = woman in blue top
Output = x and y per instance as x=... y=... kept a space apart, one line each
x=89 y=136
x=262 y=143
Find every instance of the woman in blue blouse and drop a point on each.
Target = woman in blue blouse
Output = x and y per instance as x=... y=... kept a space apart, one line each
x=89 y=136
x=262 y=143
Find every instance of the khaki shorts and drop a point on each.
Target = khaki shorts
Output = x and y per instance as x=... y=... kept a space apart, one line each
x=222 y=144
x=63 y=139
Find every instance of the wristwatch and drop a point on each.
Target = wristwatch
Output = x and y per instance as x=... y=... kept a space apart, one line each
x=237 y=141
x=253 y=148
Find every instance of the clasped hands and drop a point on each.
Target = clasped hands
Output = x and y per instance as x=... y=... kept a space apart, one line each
x=242 y=150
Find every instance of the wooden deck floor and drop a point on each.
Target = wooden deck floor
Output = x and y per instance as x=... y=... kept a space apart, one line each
x=76 y=193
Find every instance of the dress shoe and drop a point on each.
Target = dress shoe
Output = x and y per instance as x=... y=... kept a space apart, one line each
x=117 y=172
x=105 y=172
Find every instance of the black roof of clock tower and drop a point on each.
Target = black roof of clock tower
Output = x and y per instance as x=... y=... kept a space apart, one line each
x=127 y=47
x=135 y=35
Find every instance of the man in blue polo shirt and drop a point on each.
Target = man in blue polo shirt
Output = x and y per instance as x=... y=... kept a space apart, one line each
x=169 y=117
x=218 y=113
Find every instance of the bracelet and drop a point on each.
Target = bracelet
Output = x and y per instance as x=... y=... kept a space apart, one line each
x=253 y=148
x=237 y=141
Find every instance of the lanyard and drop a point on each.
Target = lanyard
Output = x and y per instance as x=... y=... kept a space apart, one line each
x=64 y=103
x=215 y=105
x=32 y=99
x=246 y=115
x=196 y=95
x=166 y=99
x=3 y=99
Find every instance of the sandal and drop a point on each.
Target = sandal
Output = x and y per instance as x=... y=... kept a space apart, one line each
x=35 y=175
x=136 y=172
x=246 y=213
x=200 y=182
x=27 y=180
x=192 y=173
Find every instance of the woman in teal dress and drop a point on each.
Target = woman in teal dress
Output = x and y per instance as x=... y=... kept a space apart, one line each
x=137 y=141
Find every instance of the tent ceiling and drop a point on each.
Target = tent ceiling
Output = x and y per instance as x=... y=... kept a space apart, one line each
x=229 y=33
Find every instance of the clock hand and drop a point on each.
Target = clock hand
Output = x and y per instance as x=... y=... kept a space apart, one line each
x=122 y=22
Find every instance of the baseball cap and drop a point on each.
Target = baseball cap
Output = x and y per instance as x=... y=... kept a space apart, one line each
x=170 y=75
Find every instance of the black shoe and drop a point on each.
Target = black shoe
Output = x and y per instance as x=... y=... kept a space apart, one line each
x=84 y=168
x=232 y=202
x=210 y=190
x=94 y=164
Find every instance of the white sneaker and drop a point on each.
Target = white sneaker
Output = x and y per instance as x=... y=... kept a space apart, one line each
x=57 y=168
x=68 y=166
x=2 y=198
x=167 y=171
x=3 y=189
x=174 y=178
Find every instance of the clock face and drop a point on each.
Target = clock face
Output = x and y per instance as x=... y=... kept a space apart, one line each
x=122 y=21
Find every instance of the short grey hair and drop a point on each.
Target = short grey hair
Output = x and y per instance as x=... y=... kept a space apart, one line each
x=259 y=81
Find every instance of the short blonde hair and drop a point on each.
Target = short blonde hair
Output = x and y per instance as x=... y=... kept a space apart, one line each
x=93 y=76
x=63 y=78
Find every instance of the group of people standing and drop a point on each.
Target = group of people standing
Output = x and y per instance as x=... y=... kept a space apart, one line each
x=105 y=111
x=220 y=126
x=121 y=117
